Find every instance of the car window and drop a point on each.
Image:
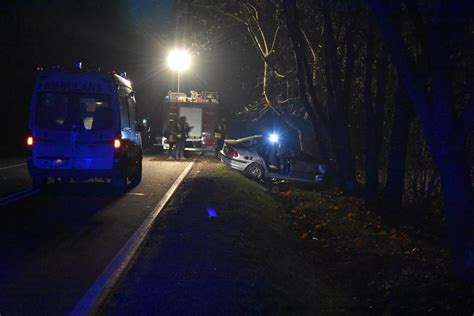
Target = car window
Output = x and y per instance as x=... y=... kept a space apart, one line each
x=53 y=110
x=95 y=112
x=62 y=111
x=124 y=116
x=132 y=112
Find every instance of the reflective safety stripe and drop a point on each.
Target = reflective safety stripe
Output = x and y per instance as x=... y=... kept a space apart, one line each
x=179 y=135
x=217 y=135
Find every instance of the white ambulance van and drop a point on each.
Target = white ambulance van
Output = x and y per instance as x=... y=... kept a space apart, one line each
x=84 y=125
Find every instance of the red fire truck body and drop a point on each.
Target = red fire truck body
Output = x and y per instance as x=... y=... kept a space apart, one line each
x=202 y=114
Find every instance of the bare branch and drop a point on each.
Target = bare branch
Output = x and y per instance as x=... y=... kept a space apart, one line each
x=249 y=6
x=279 y=74
x=257 y=43
x=264 y=58
x=313 y=53
x=262 y=34
x=264 y=110
x=275 y=35
x=223 y=13
x=400 y=58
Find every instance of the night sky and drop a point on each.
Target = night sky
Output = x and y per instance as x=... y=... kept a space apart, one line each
x=125 y=35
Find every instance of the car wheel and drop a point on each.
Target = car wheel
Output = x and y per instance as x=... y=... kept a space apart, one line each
x=255 y=171
x=137 y=174
x=119 y=184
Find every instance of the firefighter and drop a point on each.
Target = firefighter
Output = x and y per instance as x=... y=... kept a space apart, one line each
x=219 y=135
x=181 y=134
x=283 y=155
x=170 y=134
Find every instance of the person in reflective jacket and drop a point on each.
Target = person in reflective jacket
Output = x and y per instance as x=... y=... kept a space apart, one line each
x=219 y=135
x=182 y=132
x=170 y=134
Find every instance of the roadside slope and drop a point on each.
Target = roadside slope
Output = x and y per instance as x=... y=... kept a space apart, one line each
x=223 y=246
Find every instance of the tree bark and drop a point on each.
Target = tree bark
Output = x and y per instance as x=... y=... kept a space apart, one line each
x=312 y=108
x=402 y=119
x=371 y=165
x=380 y=104
x=339 y=119
x=457 y=198
x=375 y=133
x=441 y=128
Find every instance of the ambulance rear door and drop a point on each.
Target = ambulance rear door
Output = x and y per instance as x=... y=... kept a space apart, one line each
x=52 y=129
x=93 y=148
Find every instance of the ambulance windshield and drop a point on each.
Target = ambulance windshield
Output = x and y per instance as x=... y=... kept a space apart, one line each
x=78 y=111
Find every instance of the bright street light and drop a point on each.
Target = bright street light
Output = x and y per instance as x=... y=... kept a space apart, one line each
x=179 y=60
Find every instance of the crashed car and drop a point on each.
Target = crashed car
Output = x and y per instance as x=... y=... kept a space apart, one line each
x=261 y=157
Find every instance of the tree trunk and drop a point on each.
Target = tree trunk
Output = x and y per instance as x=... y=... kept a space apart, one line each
x=313 y=108
x=443 y=130
x=380 y=104
x=370 y=146
x=339 y=120
x=457 y=198
x=398 y=149
x=375 y=133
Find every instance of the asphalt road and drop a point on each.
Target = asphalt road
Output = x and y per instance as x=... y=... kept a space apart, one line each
x=54 y=244
x=13 y=176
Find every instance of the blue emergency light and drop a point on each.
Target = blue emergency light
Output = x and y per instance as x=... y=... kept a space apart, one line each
x=274 y=138
x=77 y=65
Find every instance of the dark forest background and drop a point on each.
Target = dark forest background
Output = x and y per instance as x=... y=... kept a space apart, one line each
x=380 y=91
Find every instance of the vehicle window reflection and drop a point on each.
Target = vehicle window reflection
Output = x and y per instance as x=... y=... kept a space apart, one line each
x=63 y=111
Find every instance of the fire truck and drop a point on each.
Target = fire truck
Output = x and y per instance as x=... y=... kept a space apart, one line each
x=201 y=110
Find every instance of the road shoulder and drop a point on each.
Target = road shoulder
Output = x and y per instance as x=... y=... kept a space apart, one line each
x=223 y=245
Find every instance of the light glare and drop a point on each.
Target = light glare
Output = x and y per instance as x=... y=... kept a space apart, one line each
x=179 y=59
x=117 y=143
x=29 y=140
x=211 y=212
x=274 y=138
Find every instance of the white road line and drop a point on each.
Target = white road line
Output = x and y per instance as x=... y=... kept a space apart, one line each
x=105 y=283
x=17 y=196
x=13 y=166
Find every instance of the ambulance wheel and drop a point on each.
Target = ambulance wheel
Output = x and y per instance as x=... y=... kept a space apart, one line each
x=136 y=178
x=39 y=181
x=119 y=184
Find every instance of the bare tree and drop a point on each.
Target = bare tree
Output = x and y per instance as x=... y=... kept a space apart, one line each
x=445 y=132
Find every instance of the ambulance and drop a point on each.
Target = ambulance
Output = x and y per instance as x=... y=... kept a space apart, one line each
x=83 y=125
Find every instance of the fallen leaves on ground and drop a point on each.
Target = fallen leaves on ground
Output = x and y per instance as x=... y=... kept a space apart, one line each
x=389 y=268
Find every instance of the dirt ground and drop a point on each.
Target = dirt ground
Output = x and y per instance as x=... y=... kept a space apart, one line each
x=229 y=245
x=378 y=263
